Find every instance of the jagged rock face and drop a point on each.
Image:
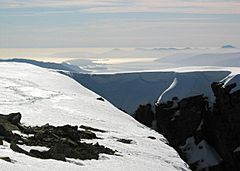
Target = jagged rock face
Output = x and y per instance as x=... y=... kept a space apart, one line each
x=180 y=122
x=224 y=125
x=205 y=137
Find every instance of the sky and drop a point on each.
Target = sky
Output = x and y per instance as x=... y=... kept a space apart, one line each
x=119 y=23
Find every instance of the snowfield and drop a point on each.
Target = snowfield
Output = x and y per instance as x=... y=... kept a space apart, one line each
x=44 y=96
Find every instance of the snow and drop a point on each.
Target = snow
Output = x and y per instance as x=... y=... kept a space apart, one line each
x=44 y=96
x=192 y=84
x=199 y=128
x=174 y=83
x=201 y=154
x=196 y=81
x=233 y=78
x=236 y=149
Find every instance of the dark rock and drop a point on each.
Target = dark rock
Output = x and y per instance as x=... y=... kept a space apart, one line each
x=63 y=141
x=125 y=141
x=177 y=124
x=6 y=131
x=48 y=135
x=100 y=98
x=7 y=159
x=151 y=137
x=13 y=118
x=144 y=115
x=8 y=123
x=83 y=151
x=92 y=129
x=57 y=155
x=18 y=149
x=224 y=124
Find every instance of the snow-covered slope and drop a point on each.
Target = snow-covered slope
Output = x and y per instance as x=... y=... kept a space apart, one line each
x=48 y=65
x=43 y=96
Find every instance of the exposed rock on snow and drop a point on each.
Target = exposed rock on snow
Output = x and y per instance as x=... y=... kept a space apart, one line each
x=6 y=159
x=126 y=141
x=100 y=98
x=63 y=141
x=92 y=129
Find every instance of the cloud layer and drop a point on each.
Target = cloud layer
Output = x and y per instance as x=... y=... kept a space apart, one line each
x=119 y=23
x=126 y=6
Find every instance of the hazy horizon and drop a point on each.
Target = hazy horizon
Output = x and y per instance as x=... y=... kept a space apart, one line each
x=107 y=55
x=121 y=23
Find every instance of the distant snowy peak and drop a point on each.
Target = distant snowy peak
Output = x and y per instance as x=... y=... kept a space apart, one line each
x=164 y=49
x=228 y=47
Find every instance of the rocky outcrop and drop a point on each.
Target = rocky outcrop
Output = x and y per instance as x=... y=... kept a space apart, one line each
x=206 y=137
x=145 y=114
x=224 y=125
x=63 y=141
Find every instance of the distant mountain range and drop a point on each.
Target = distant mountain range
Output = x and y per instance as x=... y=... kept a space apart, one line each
x=208 y=59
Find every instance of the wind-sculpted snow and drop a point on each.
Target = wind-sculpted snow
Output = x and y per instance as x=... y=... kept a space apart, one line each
x=193 y=83
x=234 y=77
x=44 y=96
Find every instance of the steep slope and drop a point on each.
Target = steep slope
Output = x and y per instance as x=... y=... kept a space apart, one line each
x=49 y=97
